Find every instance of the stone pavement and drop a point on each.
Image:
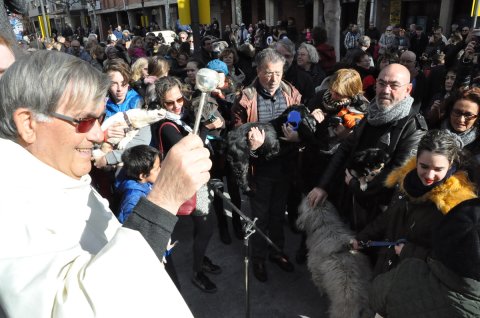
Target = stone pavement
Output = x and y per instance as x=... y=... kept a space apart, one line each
x=283 y=295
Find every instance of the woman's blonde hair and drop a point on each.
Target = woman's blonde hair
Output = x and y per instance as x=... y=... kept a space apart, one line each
x=346 y=82
x=138 y=67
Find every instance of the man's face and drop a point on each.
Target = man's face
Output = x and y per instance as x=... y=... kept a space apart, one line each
x=286 y=54
x=6 y=59
x=270 y=76
x=59 y=145
x=118 y=89
x=183 y=37
x=75 y=47
x=354 y=28
x=207 y=45
x=392 y=86
x=409 y=61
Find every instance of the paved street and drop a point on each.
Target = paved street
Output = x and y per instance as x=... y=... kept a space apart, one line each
x=283 y=295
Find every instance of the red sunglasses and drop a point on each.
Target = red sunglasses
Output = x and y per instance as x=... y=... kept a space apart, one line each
x=83 y=125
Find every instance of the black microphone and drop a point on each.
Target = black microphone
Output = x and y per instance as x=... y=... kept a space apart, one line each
x=274 y=99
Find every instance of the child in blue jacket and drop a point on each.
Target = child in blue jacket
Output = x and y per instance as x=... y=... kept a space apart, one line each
x=141 y=165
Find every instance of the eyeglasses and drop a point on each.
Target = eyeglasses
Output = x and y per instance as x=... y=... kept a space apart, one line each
x=465 y=30
x=170 y=103
x=83 y=125
x=468 y=116
x=393 y=86
x=389 y=29
x=407 y=61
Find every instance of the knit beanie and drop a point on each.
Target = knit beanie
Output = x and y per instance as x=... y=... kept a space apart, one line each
x=456 y=240
x=218 y=66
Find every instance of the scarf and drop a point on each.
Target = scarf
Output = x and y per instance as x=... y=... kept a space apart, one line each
x=415 y=188
x=378 y=116
x=177 y=119
x=334 y=105
x=466 y=137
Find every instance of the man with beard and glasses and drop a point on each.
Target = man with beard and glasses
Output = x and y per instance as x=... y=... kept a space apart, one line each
x=393 y=125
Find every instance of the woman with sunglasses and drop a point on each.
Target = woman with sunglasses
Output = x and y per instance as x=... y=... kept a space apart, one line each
x=167 y=93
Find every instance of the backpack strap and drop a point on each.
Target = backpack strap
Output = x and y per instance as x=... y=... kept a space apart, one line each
x=160 y=144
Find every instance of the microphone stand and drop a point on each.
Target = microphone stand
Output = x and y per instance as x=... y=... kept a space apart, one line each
x=249 y=227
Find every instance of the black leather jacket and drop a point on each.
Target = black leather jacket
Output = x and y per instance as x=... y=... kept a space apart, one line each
x=400 y=141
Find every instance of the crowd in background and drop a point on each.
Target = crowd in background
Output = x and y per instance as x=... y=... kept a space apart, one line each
x=388 y=89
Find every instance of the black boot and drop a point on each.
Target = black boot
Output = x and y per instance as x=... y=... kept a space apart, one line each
x=201 y=280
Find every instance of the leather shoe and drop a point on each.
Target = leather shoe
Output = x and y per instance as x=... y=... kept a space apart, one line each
x=209 y=267
x=200 y=280
x=260 y=272
x=282 y=262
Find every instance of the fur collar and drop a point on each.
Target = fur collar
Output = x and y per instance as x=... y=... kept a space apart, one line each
x=453 y=191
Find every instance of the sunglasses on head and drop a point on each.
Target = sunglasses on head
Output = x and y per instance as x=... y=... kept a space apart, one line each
x=82 y=125
x=170 y=103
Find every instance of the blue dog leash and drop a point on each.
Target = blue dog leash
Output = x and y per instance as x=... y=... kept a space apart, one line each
x=382 y=243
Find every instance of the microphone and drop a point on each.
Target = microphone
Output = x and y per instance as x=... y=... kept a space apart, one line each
x=274 y=99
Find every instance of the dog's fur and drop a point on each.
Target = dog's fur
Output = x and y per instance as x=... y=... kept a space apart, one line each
x=367 y=164
x=238 y=154
x=342 y=274
x=138 y=118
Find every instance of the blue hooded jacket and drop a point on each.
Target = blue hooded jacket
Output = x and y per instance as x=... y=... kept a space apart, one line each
x=131 y=101
x=131 y=192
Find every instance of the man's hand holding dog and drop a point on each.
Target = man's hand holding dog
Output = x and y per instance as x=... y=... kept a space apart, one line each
x=317 y=196
x=348 y=177
x=289 y=134
x=256 y=138
x=318 y=115
x=117 y=130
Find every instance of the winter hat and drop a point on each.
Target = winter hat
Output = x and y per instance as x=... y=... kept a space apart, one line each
x=456 y=240
x=218 y=66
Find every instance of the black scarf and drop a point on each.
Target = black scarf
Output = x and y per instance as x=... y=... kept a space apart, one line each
x=415 y=188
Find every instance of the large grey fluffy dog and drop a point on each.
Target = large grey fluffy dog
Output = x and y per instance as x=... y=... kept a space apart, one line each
x=344 y=275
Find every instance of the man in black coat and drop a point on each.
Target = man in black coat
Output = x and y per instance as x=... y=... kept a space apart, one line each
x=391 y=125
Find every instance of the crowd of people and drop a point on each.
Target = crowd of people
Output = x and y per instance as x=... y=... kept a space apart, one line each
x=406 y=93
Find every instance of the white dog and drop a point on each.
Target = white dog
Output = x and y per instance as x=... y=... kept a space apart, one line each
x=134 y=119
x=344 y=275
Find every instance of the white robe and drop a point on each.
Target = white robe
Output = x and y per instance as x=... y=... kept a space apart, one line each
x=64 y=254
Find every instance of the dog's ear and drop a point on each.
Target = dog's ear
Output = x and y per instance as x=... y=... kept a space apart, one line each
x=360 y=156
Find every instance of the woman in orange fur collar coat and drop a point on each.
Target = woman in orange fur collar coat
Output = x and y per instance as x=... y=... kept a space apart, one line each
x=429 y=186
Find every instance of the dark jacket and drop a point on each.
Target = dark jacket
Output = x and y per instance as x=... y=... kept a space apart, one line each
x=131 y=191
x=414 y=218
x=301 y=80
x=399 y=139
x=411 y=129
x=419 y=289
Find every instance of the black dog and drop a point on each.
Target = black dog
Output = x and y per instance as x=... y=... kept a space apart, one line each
x=367 y=164
x=238 y=154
